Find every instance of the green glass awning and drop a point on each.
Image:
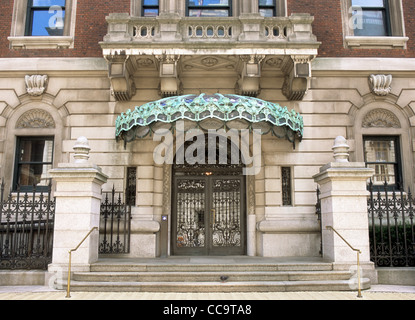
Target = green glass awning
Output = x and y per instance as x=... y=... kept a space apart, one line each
x=210 y=111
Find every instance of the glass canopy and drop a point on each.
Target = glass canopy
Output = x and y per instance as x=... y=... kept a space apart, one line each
x=210 y=111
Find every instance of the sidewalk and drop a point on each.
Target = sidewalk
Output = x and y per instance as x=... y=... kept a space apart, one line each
x=377 y=292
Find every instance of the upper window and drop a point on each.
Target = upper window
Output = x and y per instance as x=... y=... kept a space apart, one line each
x=267 y=8
x=45 y=18
x=208 y=8
x=150 y=8
x=43 y=24
x=371 y=17
x=382 y=153
x=34 y=156
x=373 y=24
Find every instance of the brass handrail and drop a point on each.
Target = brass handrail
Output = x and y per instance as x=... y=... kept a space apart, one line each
x=68 y=289
x=359 y=290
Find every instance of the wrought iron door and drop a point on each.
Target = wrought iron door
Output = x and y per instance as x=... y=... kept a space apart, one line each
x=208 y=215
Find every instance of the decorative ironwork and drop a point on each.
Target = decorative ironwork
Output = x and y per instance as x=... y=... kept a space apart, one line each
x=131 y=188
x=26 y=229
x=226 y=203
x=318 y=213
x=391 y=227
x=114 y=224
x=224 y=109
x=191 y=201
x=286 y=186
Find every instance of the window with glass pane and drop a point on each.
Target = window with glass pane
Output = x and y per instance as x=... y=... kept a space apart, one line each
x=34 y=156
x=374 y=17
x=209 y=8
x=267 y=8
x=382 y=154
x=150 y=8
x=45 y=17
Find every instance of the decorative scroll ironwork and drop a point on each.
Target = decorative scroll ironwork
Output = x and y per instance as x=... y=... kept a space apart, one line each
x=131 y=189
x=114 y=224
x=318 y=213
x=286 y=186
x=391 y=227
x=190 y=208
x=226 y=211
x=26 y=229
x=218 y=108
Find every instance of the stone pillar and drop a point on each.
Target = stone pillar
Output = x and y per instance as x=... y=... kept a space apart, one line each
x=78 y=200
x=343 y=195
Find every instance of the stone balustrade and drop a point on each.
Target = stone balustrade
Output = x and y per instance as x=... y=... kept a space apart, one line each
x=294 y=29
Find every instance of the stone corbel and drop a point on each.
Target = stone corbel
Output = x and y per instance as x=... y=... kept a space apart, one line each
x=36 y=84
x=170 y=84
x=297 y=71
x=120 y=72
x=250 y=75
x=380 y=84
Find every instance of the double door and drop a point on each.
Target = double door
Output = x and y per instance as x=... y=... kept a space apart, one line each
x=208 y=215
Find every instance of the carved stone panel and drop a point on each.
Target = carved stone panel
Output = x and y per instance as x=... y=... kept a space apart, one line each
x=35 y=118
x=381 y=118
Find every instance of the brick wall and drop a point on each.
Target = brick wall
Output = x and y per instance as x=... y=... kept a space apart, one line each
x=328 y=29
x=90 y=29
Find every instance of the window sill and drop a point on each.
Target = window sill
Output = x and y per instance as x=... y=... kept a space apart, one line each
x=376 y=42
x=41 y=42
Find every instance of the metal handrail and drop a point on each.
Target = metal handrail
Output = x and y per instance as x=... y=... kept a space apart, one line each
x=359 y=292
x=68 y=289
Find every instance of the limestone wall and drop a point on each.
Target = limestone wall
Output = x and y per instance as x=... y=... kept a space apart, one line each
x=78 y=98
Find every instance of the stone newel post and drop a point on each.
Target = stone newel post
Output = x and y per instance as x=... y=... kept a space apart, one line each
x=343 y=195
x=78 y=199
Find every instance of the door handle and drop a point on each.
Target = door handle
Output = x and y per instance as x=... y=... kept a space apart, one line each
x=213 y=216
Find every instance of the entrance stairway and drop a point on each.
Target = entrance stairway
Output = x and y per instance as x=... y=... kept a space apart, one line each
x=212 y=274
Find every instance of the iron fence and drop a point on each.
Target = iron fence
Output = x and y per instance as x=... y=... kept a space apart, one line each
x=114 y=224
x=26 y=228
x=391 y=227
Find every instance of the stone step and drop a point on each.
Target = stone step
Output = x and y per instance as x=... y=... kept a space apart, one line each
x=245 y=286
x=134 y=267
x=208 y=276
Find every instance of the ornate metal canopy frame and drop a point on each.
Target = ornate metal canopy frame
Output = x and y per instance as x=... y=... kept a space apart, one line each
x=215 y=111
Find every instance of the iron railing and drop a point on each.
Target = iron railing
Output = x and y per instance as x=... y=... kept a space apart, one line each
x=391 y=227
x=114 y=224
x=26 y=228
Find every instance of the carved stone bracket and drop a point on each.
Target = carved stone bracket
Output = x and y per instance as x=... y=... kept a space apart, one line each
x=248 y=83
x=36 y=84
x=170 y=84
x=380 y=84
x=297 y=70
x=120 y=72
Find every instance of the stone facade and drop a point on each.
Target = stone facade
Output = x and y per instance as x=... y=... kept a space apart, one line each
x=139 y=60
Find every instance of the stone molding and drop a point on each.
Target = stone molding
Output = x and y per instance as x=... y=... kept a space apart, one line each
x=41 y=42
